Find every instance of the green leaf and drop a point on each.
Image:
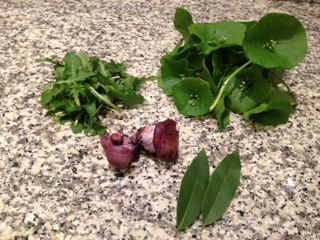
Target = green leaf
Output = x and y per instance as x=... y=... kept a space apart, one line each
x=249 y=89
x=55 y=62
x=72 y=62
x=222 y=114
x=128 y=99
x=77 y=129
x=84 y=59
x=277 y=40
x=90 y=108
x=47 y=95
x=205 y=75
x=221 y=188
x=192 y=96
x=192 y=190
x=182 y=20
x=171 y=73
x=218 y=35
x=275 y=75
x=98 y=130
x=280 y=94
x=240 y=101
x=273 y=113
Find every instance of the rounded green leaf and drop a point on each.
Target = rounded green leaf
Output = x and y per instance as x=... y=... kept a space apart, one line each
x=192 y=96
x=277 y=40
x=218 y=35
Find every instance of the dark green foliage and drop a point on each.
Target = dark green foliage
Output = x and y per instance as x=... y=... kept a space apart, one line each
x=242 y=62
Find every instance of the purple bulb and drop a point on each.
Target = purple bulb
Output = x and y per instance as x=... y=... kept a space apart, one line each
x=145 y=138
x=117 y=138
x=106 y=142
x=119 y=157
x=166 y=140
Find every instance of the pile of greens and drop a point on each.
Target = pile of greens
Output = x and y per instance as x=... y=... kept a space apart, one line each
x=234 y=65
x=85 y=86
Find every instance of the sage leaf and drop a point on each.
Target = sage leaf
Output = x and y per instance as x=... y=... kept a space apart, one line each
x=192 y=190
x=221 y=188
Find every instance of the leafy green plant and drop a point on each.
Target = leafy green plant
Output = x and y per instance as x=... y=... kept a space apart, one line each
x=234 y=65
x=86 y=86
x=212 y=198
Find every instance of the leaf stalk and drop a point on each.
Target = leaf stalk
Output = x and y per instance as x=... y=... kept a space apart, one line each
x=225 y=84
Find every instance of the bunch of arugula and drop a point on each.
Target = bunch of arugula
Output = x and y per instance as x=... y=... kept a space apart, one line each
x=234 y=65
x=84 y=87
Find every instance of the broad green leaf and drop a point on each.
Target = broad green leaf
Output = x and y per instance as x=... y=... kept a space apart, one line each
x=192 y=190
x=73 y=63
x=221 y=188
x=84 y=59
x=218 y=35
x=280 y=94
x=172 y=71
x=222 y=114
x=182 y=20
x=275 y=75
x=260 y=87
x=240 y=101
x=277 y=40
x=273 y=113
x=192 y=96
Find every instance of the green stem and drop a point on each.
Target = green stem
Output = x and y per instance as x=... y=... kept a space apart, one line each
x=103 y=99
x=224 y=75
x=225 y=84
x=281 y=80
x=97 y=110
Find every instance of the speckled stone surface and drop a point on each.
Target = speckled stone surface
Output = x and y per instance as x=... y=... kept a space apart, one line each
x=57 y=185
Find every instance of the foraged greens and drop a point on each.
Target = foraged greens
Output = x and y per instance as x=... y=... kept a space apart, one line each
x=212 y=198
x=84 y=87
x=234 y=65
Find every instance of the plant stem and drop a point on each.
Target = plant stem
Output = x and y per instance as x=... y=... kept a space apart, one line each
x=224 y=75
x=225 y=84
x=106 y=101
x=283 y=82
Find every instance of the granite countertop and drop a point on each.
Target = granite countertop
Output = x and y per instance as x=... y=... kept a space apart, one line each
x=57 y=185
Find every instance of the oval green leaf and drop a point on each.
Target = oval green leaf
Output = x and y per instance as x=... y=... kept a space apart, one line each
x=192 y=190
x=277 y=40
x=221 y=188
x=192 y=96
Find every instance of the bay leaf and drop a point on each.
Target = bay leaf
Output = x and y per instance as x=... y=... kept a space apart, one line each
x=192 y=190
x=221 y=188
